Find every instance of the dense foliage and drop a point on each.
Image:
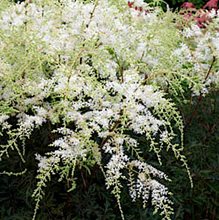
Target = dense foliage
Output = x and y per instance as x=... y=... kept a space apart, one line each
x=104 y=90
x=177 y=3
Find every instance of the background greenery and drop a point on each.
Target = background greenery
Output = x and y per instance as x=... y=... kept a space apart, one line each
x=177 y=3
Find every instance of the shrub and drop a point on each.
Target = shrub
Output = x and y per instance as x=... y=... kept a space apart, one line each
x=102 y=75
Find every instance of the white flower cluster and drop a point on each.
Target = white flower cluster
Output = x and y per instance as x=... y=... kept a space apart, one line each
x=202 y=49
x=145 y=187
x=69 y=146
x=96 y=70
x=117 y=163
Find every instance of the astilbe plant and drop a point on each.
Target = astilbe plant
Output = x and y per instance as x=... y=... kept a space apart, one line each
x=97 y=71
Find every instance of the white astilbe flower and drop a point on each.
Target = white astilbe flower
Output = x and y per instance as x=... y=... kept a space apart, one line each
x=146 y=188
x=69 y=147
x=114 y=168
x=4 y=125
x=15 y=16
x=29 y=121
x=159 y=194
x=193 y=31
x=148 y=169
x=3 y=118
x=183 y=54
x=95 y=72
x=43 y=162
x=215 y=42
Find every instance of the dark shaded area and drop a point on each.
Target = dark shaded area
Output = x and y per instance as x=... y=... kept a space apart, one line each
x=202 y=152
x=177 y=3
